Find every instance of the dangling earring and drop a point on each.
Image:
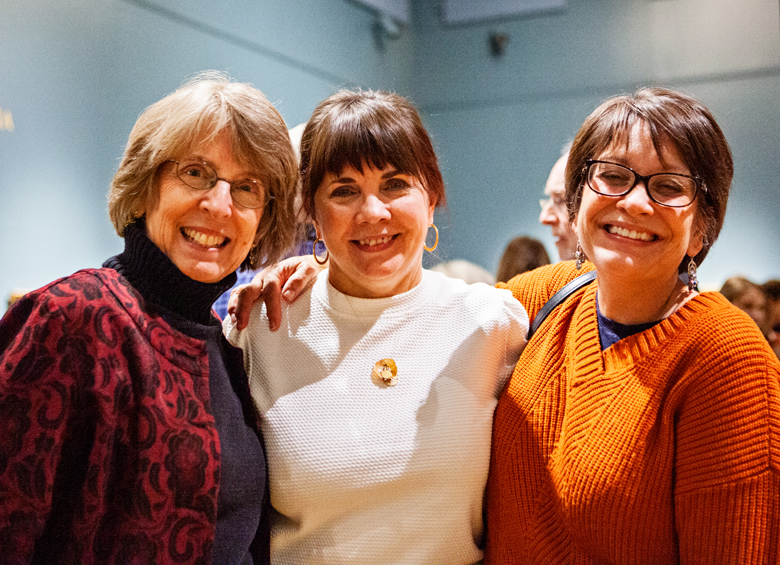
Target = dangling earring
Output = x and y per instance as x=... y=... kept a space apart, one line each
x=693 y=281
x=253 y=255
x=579 y=256
x=436 y=244
x=314 y=252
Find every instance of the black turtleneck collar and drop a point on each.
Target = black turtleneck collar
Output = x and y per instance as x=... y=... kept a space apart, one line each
x=160 y=282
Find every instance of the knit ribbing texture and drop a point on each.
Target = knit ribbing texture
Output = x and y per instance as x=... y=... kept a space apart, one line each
x=663 y=448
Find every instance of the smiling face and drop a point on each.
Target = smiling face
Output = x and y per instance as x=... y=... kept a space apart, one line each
x=631 y=238
x=203 y=232
x=374 y=224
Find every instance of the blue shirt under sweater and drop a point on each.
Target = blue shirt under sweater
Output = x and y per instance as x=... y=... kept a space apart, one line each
x=610 y=331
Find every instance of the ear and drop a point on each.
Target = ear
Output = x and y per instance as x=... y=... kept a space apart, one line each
x=696 y=243
x=431 y=208
x=316 y=228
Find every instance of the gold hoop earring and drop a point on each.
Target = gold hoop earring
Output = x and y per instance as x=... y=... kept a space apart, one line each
x=436 y=244
x=314 y=252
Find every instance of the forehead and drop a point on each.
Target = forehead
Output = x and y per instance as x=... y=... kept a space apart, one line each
x=224 y=153
x=556 y=182
x=639 y=145
x=366 y=170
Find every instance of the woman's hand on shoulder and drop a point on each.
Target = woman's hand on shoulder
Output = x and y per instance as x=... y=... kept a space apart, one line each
x=285 y=280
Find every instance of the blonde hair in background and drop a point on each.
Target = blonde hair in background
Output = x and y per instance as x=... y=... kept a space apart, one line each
x=193 y=116
x=16 y=294
x=465 y=271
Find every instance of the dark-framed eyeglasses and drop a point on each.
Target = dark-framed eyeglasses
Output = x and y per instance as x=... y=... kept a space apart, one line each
x=667 y=189
x=197 y=174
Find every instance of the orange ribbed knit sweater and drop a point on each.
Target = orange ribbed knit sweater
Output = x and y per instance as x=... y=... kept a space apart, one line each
x=664 y=448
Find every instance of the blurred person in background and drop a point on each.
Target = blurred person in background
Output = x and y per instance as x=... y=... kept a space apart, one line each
x=748 y=297
x=465 y=271
x=554 y=212
x=521 y=254
x=772 y=291
x=15 y=295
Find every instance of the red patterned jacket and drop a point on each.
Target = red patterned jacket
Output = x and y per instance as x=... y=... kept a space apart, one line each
x=108 y=450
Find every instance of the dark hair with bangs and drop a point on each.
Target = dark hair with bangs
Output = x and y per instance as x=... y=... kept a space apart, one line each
x=672 y=119
x=355 y=128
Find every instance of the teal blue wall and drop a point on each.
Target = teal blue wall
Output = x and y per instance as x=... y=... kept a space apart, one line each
x=75 y=74
x=499 y=123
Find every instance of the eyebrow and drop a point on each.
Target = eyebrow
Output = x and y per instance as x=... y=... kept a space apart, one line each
x=342 y=180
x=387 y=175
x=617 y=160
x=245 y=173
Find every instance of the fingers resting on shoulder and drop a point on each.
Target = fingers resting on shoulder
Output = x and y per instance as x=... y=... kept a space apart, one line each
x=286 y=280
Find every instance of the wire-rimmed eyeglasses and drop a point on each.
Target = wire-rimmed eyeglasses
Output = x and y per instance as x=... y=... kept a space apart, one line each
x=667 y=189
x=556 y=201
x=197 y=174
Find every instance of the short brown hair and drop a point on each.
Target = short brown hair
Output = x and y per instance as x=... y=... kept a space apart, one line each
x=772 y=289
x=672 y=118
x=195 y=114
x=353 y=128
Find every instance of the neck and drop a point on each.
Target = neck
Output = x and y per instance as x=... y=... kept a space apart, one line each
x=372 y=288
x=160 y=282
x=640 y=302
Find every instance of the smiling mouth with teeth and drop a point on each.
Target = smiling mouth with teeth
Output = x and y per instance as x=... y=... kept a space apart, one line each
x=376 y=241
x=630 y=234
x=203 y=239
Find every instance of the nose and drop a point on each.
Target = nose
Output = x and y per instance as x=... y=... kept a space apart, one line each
x=638 y=200
x=218 y=200
x=372 y=210
x=547 y=217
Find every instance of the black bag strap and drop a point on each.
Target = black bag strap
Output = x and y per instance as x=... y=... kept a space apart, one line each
x=570 y=288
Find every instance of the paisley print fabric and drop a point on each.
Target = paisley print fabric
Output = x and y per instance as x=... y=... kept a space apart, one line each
x=108 y=449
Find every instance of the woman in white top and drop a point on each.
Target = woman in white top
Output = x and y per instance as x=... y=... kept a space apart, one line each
x=377 y=393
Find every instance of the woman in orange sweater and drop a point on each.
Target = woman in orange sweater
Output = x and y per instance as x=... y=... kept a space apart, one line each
x=642 y=423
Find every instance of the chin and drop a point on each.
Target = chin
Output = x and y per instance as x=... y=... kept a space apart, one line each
x=206 y=275
x=624 y=265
